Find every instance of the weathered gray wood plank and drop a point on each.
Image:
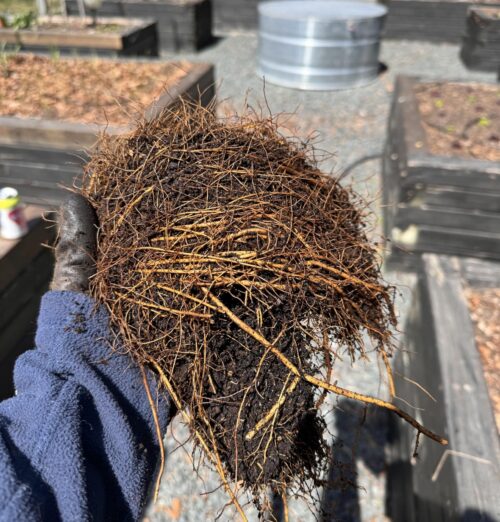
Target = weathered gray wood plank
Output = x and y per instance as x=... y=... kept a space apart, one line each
x=472 y=221
x=42 y=155
x=180 y=26
x=440 y=355
x=424 y=19
x=453 y=202
x=452 y=241
x=132 y=31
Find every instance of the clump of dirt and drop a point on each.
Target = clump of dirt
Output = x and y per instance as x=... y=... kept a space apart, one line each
x=238 y=272
x=460 y=119
x=97 y=91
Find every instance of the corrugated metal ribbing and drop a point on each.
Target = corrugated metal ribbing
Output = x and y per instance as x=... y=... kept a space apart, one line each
x=319 y=44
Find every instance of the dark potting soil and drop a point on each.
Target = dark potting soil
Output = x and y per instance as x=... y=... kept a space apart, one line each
x=297 y=444
x=461 y=120
x=484 y=308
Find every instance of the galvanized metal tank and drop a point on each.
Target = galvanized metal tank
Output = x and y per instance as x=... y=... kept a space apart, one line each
x=319 y=44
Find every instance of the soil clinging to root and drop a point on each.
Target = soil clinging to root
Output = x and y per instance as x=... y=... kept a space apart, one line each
x=236 y=270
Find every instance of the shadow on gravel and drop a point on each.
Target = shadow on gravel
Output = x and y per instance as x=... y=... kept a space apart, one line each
x=361 y=436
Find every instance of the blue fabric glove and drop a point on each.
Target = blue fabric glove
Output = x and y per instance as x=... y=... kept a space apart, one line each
x=78 y=440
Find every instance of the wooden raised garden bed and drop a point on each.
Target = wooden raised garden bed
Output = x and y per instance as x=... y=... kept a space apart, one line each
x=56 y=108
x=109 y=36
x=442 y=375
x=25 y=271
x=481 y=45
x=441 y=171
x=232 y=16
x=181 y=24
x=429 y=20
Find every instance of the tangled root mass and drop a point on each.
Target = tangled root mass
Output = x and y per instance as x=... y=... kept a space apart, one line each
x=221 y=246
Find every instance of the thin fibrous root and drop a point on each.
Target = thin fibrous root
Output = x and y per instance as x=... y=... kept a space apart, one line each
x=132 y=204
x=390 y=378
x=164 y=308
x=184 y=294
x=212 y=453
x=272 y=412
x=285 y=506
x=158 y=433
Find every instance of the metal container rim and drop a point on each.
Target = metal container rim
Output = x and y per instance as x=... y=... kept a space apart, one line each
x=322 y=11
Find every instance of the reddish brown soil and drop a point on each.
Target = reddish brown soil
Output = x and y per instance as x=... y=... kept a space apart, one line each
x=485 y=312
x=461 y=120
x=86 y=91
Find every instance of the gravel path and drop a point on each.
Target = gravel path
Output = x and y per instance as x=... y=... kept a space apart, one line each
x=351 y=124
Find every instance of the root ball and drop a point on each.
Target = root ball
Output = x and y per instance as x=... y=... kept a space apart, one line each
x=231 y=265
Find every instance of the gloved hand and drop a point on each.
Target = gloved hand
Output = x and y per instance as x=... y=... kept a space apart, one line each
x=79 y=441
x=77 y=245
x=76 y=249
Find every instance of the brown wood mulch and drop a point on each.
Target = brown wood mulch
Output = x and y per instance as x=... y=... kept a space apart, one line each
x=484 y=307
x=461 y=120
x=85 y=91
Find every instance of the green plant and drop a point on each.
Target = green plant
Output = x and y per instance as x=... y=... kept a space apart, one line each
x=18 y=21
x=484 y=122
x=22 y=21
